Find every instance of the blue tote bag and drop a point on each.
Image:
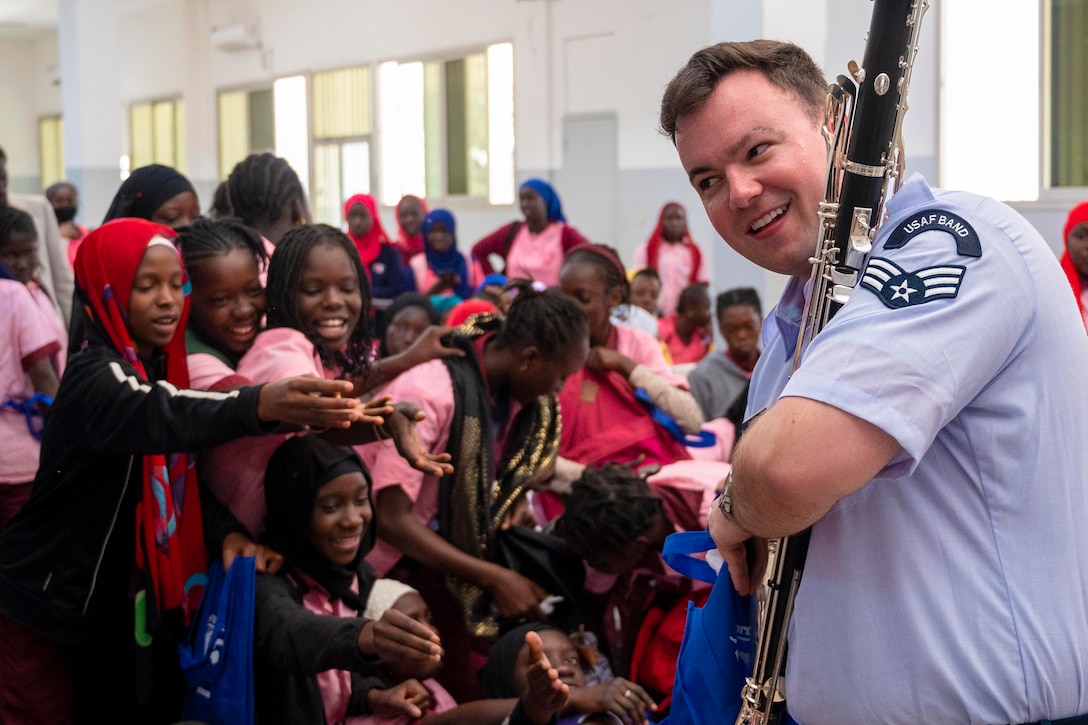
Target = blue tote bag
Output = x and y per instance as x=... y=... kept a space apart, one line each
x=217 y=657
x=716 y=652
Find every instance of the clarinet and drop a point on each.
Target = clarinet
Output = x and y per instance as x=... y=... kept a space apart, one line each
x=863 y=128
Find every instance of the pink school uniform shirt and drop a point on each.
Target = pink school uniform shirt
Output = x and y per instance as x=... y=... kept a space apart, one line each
x=429 y=386
x=425 y=276
x=674 y=267
x=682 y=352
x=27 y=337
x=234 y=471
x=536 y=256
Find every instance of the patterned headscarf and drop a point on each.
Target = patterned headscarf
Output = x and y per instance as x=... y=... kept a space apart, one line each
x=169 y=530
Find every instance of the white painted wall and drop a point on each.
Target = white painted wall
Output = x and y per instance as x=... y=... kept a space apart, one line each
x=572 y=58
x=18 y=117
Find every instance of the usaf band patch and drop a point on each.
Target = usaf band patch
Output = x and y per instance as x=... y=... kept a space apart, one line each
x=967 y=241
x=897 y=287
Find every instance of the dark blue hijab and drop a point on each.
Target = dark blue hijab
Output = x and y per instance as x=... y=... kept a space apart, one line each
x=451 y=260
x=551 y=199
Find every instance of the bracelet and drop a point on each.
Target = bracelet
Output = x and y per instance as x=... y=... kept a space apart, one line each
x=725 y=500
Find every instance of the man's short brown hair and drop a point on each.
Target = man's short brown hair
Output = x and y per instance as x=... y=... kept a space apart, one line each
x=784 y=64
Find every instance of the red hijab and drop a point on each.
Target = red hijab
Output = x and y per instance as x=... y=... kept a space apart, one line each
x=169 y=530
x=1078 y=215
x=657 y=238
x=370 y=244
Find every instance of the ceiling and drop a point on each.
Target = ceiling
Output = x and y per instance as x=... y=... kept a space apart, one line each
x=26 y=18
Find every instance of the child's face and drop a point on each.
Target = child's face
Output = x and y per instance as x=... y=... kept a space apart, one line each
x=412 y=604
x=359 y=220
x=330 y=301
x=674 y=224
x=585 y=282
x=341 y=514
x=740 y=327
x=20 y=256
x=644 y=293
x=410 y=216
x=699 y=313
x=405 y=328
x=562 y=655
x=228 y=300
x=156 y=300
x=179 y=211
x=439 y=237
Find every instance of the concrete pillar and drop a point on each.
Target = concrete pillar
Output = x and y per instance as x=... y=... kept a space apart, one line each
x=89 y=41
x=201 y=112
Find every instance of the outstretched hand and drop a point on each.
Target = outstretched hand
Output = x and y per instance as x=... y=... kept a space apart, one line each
x=429 y=346
x=623 y=698
x=409 y=698
x=308 y=401
x=547 y=694
x=402 y=425
x=396 y=636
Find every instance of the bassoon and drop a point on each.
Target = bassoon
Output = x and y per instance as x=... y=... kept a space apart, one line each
x=863 y=128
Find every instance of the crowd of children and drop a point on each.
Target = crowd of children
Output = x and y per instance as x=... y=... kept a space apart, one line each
x=413 y=446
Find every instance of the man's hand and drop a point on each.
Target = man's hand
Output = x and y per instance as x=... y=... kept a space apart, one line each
x=409 y=698
x=236 y=544
x=396 y=636
x=730 y=540
x=402 y=426
x=308 y=401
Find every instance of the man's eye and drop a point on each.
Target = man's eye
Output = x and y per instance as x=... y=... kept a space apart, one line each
x=757 y=150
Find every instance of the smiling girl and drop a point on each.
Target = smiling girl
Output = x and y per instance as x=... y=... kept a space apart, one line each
x=224 y=259
x=111 y=542
x=318 y=299
x=318 y=658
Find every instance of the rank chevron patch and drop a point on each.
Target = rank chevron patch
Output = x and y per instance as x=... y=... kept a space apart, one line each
x=897 y=287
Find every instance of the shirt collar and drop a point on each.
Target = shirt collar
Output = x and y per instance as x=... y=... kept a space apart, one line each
x=787 y=316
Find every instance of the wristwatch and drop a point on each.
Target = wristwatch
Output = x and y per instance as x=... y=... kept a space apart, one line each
x=725 y=500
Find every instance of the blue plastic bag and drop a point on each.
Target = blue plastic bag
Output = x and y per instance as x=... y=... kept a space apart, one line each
x=217 y=657
x=716 y=652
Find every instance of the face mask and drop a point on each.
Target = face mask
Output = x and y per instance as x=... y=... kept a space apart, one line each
x=65 y=213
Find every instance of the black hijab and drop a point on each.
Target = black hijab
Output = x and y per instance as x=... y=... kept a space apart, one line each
x=296 y=471
x=145 y=190
x=497 y=676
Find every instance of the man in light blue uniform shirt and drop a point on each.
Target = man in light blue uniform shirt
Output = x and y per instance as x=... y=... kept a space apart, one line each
x=935 y=435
